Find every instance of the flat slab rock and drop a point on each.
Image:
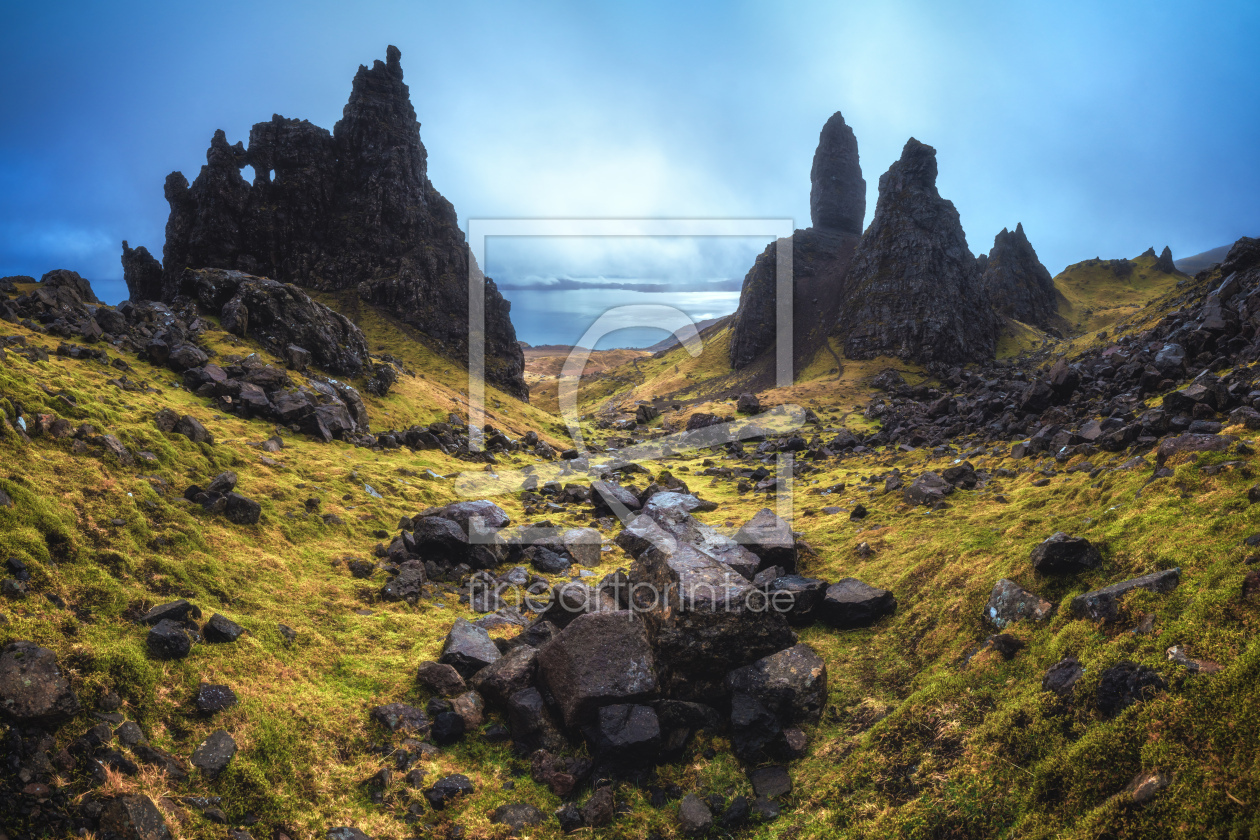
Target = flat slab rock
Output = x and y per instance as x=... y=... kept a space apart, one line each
x=850 y=603
x=1103 y=604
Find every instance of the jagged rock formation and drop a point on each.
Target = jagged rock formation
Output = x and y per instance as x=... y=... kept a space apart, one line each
x=142 y=273
x=1015 y=282
x=913 y=289
x=351 y=209
x=279 y=316
x=1165 y=262
x=821 y=255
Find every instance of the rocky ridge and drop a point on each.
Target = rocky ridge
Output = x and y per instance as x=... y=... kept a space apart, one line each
x=348 y=210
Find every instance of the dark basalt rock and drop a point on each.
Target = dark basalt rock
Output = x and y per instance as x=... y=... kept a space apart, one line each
x=1016 y=283
x=441 y=679
x=32 y=689
x=1124 y=684
x=1061 y=554
x=133 y=817
x=1165 y=262
x=348 y=211
x=821 y=256
x=213 y=698
x=769 y=537
x=694 y=817
x=625 y=733
x=399 y=717
x=929 y=488
x=796 y=597
x=214 y=754
x=1103 y=604
x=512 y=672
x=278 y=315
x=517 y=815
x=913 y=290
x=599 y=659
x=468 y=648
x=851 y=603
x=220 y=629
x=1061 y=677
x=170 y=640
x=447 y=789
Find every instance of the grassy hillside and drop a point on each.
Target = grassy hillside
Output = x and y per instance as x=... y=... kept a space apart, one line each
x=1093 y=296
x=919 y=739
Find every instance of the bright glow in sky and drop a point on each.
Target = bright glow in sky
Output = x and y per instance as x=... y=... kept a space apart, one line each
x=1104 y=127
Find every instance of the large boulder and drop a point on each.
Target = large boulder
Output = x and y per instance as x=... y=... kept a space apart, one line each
x=851 y=603
x=33 y=690
x=769 y=537
x=1062 y=554
x=600 y=659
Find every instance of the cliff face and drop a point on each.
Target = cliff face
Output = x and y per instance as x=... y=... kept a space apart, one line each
x=351 y=209
x=913 y=290
x=1015 y=282
x=820 y=256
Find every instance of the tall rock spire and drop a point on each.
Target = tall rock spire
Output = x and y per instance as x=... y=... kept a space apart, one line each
x=837 y=195
x=820 y=257
x=913 y=290
x=1015 y=282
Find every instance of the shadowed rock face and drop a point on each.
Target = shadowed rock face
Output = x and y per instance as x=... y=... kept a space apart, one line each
x=837 y=195
x=913 y=290
x=1015 y=282
x=1165 y=263
x=820 y=256
x=347 y=210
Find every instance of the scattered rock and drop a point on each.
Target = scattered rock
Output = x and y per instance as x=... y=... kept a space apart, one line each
x=1061 y=677
x=851 y=603
x=1104 y=604
x=213 y=698
x=214 y=754
x=1061 y=554
x=133 y=817
x=441 y=679
x=694 y=817
x=468 y=648
x=447 y=789
x=517 y=815
x=170 y=640
x=1124 y=684
x=32 y=688
x=1009 y=602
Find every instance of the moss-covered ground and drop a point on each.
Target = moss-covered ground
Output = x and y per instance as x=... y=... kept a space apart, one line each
x=917 y=740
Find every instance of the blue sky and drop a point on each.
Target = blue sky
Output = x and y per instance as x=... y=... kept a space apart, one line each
x=1104 y=127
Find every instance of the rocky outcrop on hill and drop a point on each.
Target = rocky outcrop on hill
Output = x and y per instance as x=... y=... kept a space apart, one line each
x=348 y=210
x=821 y=255
x=1015 y=282
x=913 y=290
x=279 y=316
x=1165 y=262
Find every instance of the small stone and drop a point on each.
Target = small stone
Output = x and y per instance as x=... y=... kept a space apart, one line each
x=771 y=782
x=1062 y=554
x=517 y=815
x=448 y=789
x=214 y=698
x=440 y=678
x=694 y=816
x=169 y=640
x=222 y=630
x=214 y=754
x=1146 y=785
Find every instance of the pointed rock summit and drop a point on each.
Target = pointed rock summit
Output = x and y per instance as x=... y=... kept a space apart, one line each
x=913 y=290
x=837 y=195
x=350 y=210
x=1165 y=262
x=820 y=257
x=1015 y=282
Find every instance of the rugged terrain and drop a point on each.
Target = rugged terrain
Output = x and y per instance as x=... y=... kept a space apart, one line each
x=985 y=568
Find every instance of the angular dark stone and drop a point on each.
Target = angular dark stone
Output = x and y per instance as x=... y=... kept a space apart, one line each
x=468 y=648
x=214 y=754
x=170 y=640
x=242 y=511
x=1016 y=282
x=407 y=585
x=851 y=603
x=927 y=489
x=447 y=789
x=214 y=698
x=771 y=782
x=511 y=673
x=174 y=611
x=517 y=815
x=599 y=659
x=346 y=832
x=1061 y=554
x=33 y=691
x=133 y=817
x=694 y=817
x=448 y=727
x=1103 y=604
x=791 y=684
x=600 y=809
x=441 y=678
x=531 y=721
x=770 y=538
x=220 y=629
x=626 y=733
x=797 y=597
x=191 y=428
x=399 y=717
x=1124 y=684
